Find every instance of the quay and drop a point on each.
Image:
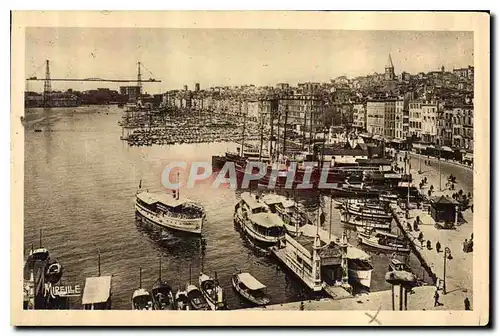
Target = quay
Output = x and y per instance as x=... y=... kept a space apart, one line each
x=451 y=271
x=422 y=298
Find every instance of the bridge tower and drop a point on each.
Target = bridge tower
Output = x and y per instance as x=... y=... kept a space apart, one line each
x=139 y=79
x=47 y=85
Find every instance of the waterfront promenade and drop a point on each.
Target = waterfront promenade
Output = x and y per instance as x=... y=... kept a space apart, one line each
x=421 y=299
x=459 y=269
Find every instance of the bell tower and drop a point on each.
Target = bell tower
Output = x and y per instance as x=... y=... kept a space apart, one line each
x=389 y=69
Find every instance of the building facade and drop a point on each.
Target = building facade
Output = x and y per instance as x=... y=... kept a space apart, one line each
x=415 y=118
x=429 y=123
x=375 y=114
x=359 y=116
x=389 y=119
x=463 y=122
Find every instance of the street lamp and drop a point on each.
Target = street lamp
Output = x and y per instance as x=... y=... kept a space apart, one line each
x=447 y=255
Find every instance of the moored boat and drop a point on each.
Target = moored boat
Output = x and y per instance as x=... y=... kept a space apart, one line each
x=250 y=288
x=181 y=300
x=196 y=299
x=257 y=221
x=292 y=216
x=53 y=272
x=162 y=296
x=384 y=241
x=370 y=212
x=141 y=298
x=360 y=221
x=212 y=291
x=170 y=212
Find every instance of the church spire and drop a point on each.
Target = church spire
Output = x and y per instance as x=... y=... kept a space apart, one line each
x=389 y=62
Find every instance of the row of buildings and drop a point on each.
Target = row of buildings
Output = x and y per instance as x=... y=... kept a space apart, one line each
x=434 y=107
x=426 y=121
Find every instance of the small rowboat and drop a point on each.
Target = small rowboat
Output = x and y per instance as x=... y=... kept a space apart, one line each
x=196 y=299
x=141 y=298
x=181 y=300
x=162 y=296
x=250 y=288
x=54 y=272
x=212 y=291
x=384 y=241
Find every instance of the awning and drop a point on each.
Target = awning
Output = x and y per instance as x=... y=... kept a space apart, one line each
x=266 y=219
x=248 y=280
x=431 y=147
x=392 y=176
x=97 y=290
x=447 y=149
x=399 y=141
x=468 y=156
x=418 y=146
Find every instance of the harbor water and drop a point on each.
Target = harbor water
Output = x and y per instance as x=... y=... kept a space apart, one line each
x=80 y=185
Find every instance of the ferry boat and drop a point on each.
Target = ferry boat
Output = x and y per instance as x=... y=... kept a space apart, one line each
x=212 y=292
x=293 y=217
x=170 y=212
x=250 y=288
x=257 y=221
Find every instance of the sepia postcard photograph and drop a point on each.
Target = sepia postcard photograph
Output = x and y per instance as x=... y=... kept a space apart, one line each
x=250 y=168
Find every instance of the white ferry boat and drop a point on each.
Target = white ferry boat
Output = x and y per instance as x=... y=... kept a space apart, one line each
x=170 y=212
x=293 y=217
x=257 y=221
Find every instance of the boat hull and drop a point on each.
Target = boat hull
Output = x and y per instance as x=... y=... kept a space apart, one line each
x=368 y=224
x=246 y=226
x=246 y=295
x=362 y=277
x=179 y=224
x=369 y=242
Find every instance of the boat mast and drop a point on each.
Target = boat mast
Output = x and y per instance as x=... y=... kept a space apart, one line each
x=284 y=130
x=140 y=277
x=159 y=273
x=99 y=263
x=178 y=186
x=261 y=126
x=40 y=238
x=331 y=206
x=190 y=273
x=244 y=126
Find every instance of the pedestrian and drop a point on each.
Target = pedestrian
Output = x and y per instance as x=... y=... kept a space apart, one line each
x=438 y=247
x=465 y=246
x=301 y=305
x=472 y=236
x=467 y=303
x=420 y=236
x=429 y=246
x=436 y=299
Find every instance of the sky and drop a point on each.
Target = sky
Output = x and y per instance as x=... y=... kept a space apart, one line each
x=221 y=57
